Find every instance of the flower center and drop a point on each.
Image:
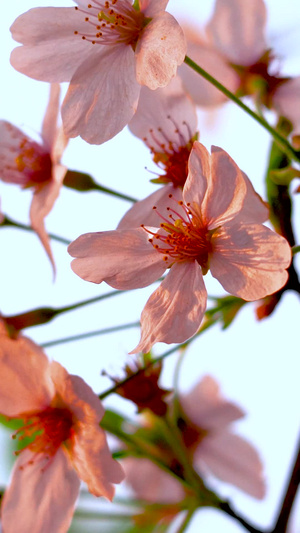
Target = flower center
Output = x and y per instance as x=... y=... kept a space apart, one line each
x=257 y=80
x=32 y=163
x=111 y=22
x=48 y=428
x=171 y=156
x=183 y=237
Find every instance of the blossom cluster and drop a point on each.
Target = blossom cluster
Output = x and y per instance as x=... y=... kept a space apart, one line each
x=129 y=64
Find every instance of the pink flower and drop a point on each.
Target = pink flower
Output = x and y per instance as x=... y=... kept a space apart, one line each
x=62 y=414
x=30 y=164
x=166 y=121
x=204 y=422
x=217 y=226
x=234 y=51
x=107 y=50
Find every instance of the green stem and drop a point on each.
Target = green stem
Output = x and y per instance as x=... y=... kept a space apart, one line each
x=8 y=222
x=282 y=142
x=89 y=334
x=92 y=515
x=183 y=346
x=42 y=315
x=295 y=249
x=189 y=515
x=82 y=182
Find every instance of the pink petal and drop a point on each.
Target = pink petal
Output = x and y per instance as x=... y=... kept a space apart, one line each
x=123 y=258
x=237 y=30
x=102 y=96
x=151 y=8
x=202 y=92
x=254 y=209
x=175 y=310
x=77 y=395
x=196 y=184
x=25 y=386
x=11 y=140
x=226 y=189
x=207 y=408
x=41 y=496
x=43 y=34
x=165 y=117
x=49 y=127
x=42 y=202
x=93 y=462
x=150 y=482
x=233 y=460
x=142 y=212
x=88 y=450
x=287 y=101
x=250 y=261
x=60 y=143
x=160 y=49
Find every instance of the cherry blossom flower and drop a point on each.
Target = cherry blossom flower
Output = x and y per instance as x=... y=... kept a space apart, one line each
x=166 y=121
x=204 y=421
x=107 y=50
x=61 y=414
x=234 y=51
x=215 y=227
x=27 y=163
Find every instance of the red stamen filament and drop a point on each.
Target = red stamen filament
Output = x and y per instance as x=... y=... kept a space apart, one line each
x=183 y=238
x=49 y=428
x=113 y=22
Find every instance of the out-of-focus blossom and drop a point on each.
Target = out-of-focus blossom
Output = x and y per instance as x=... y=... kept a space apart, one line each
x=141 y=387
x=204 y=421
x=234 y=51
x=61 y=415
x=107 y=50
x=27 y=163
x=166 y=121
x=216 y=226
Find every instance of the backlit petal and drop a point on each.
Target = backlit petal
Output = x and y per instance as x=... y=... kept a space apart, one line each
x=102 y=96
x=43 y=34
x=204 y=93
x=233 y=460
x=287 y=101
x=254 y=209
x=42 y=202
x=237 y=30
x=206 y=407
x=41 y=496
x=250 y=261
x=24 y=382
x=123 y=258
x=150 y=8
x=49 y=127
x=93 y=461
x=160 y=49
x=198 y=177
x=175 y=310
x=150 y=482
x=165 y=116
x=142 y=212
x=226 y=189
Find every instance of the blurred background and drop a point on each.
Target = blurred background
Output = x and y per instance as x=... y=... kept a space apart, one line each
x=256 y=363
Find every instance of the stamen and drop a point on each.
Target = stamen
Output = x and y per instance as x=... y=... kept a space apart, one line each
x=119 y=23
x=183 y=238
